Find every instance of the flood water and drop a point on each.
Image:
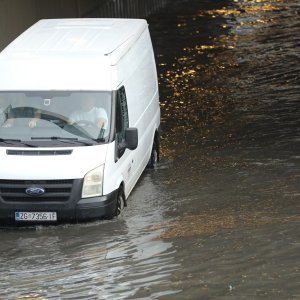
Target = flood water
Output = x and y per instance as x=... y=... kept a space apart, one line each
x=219 y=217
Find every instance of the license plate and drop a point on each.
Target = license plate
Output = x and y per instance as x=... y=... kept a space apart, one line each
x=35 y=216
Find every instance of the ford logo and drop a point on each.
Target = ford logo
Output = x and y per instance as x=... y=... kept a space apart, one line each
x=34 y=191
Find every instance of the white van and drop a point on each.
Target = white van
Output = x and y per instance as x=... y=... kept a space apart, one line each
x=79 y=119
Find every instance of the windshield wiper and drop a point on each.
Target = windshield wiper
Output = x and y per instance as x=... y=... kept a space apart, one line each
x=10 y=140
x=62 y=139
x=13 y=141
x=53 y=138
x=100 y=140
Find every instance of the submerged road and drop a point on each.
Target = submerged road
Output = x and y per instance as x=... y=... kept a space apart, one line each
x=219 y=217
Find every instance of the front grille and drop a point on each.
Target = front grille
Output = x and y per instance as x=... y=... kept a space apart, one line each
x=55 y=190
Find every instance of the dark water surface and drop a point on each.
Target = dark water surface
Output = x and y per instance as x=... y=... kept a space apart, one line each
x=219 y=218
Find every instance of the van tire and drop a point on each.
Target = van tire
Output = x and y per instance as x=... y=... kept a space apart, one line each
x=154 y=157
x=119 y=204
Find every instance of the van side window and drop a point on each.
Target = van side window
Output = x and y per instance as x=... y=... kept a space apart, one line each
x=122 y=119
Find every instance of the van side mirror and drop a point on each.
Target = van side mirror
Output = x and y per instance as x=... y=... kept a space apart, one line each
x=130 y=142
x=131 y=138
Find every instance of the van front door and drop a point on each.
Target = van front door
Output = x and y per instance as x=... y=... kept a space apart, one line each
x=123 y=156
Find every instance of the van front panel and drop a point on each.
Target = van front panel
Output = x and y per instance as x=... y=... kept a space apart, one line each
x=61 y=200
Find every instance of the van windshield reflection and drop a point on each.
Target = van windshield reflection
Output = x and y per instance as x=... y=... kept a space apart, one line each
x=55 y=116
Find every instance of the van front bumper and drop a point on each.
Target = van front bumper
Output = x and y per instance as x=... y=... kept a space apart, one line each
x=97 y=207
x=70 y=209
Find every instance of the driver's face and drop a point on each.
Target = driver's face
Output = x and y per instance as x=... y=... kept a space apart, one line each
x=88 y=104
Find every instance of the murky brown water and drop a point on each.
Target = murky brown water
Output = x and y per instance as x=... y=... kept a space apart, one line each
x=219 y=218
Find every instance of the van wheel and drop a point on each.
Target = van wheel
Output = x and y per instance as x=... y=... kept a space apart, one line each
x=154 y=157
x=121 y=203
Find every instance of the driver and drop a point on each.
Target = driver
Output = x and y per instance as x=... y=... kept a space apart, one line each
x=89 y=112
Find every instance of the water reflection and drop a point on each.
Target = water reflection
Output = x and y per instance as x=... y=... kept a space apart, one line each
x=231 y=130
x=55 y=267
x=204 y=83
x=191 y=225
x=101 y=260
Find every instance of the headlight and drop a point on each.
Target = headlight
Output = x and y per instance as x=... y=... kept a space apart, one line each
x=92 y=183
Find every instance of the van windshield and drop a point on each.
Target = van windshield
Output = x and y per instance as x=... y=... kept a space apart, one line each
x=54 y=118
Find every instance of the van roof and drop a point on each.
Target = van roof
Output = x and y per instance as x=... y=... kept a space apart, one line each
x=68 y=54
x=87 y=36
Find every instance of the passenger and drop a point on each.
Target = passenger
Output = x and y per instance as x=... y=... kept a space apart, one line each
x=89 y=112
x=22 y=112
